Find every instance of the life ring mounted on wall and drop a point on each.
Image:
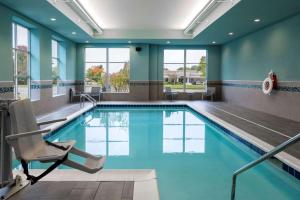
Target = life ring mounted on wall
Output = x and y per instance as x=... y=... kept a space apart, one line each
x=269 y=83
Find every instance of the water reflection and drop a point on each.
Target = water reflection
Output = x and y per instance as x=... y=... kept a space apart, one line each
x=183 y=132
x=107 y=133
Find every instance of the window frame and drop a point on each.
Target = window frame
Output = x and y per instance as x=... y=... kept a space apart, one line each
x=58 y=61
x=185 y=63
x=15 y=51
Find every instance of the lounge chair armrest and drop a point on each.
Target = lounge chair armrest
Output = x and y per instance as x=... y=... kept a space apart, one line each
x=51 y=121
x=19 y=135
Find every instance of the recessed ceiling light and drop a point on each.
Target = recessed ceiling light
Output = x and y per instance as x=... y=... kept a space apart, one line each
x=256 y=20
x=52 y=19
x=129 y=42
x=168 y=42
x=86 y=41
x=214 y=42
x=231 y=33
x=73 y=33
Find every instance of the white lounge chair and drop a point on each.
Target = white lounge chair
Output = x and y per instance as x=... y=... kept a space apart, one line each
x=211 y=92
x=96 y=92
x=29 y=145
x=169 y=93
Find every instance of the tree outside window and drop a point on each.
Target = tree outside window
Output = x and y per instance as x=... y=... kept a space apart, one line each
x=21 y=58
x=107 y=68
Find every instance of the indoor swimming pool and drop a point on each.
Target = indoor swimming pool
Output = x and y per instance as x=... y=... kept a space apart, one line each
x=193 y=157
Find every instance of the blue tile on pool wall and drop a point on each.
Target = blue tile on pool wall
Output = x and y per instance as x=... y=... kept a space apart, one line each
x=297 y=174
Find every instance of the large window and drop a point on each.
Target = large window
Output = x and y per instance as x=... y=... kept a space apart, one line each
x=21 y=57
x=57 y=89
x=107 y=68
x=185 y=70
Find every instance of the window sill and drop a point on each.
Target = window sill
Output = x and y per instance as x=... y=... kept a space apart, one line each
x=198 y=92
x=34 y=100
x=115 y=92
x=58 y=95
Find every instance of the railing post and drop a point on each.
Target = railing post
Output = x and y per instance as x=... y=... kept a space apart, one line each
x=264 y=157
x=233 y=187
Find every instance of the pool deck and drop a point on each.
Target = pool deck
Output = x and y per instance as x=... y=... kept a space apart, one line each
x=268 y=128
x=79 y=190
x=107 y=184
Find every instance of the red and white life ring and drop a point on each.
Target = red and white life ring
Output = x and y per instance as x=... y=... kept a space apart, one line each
x=267 y=86
x=269 y=83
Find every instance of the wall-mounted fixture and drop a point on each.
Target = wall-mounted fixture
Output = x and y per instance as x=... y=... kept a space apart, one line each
x=75 y=11
x=213 y=10
x=138 y=49
x=85 y=15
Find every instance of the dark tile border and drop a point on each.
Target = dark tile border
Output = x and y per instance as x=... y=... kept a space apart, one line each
x=293 y=89
x=47 y=86
x=256 y=149
x=284 y=166
x=6 y=90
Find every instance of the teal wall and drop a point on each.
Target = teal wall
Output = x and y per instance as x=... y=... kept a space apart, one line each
x=6 y=70
x=275 y=47
x=148 y=63
x=139 y=63
x=40 y=46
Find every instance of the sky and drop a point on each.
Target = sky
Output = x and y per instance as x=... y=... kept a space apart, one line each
x=98 y=56
x=22 y=36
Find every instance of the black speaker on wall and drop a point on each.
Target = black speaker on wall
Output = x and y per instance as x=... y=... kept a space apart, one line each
x=138 y=49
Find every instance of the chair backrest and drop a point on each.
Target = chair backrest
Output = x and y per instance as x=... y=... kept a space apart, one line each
x=23 y=120
x=168 y=90
x=95 y=90
x=211 y=90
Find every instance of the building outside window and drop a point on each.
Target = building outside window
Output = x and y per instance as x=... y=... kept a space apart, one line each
x=107 y=68
x=21 y=58
x=185 y=70
x=57 y=89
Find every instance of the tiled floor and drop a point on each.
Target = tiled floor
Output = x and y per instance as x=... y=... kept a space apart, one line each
x=268 y=128
x=77 y=190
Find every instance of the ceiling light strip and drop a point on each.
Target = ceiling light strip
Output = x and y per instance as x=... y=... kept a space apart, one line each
x=201 y=14
x=88 y=16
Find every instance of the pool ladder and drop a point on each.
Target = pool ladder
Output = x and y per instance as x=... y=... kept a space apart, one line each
x=266 y=156
x=88 y=97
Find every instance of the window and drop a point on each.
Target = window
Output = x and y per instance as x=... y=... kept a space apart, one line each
x=57 y=89
x=107 y=68
x=185 y=70
x=21 y=58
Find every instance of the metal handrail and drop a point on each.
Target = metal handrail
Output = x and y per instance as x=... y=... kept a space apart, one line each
x=89 y=98
x=271 y=153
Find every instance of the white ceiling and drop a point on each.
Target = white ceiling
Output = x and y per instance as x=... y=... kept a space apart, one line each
x=143 y=19
x=143 y=14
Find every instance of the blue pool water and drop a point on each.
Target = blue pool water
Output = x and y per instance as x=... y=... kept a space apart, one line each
x=193 y=158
